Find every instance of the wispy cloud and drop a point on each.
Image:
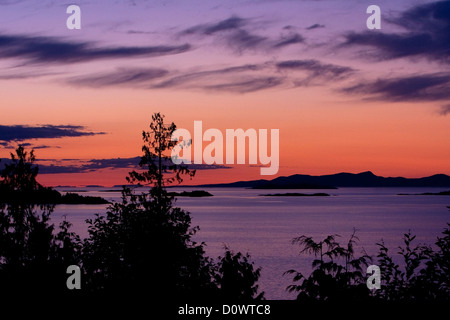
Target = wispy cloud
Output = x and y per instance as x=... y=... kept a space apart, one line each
x=55 y=50
x=234 y=79
x=314 y=72
x=39 y=146
x=22 y=132
x=120 y=77
x=139 y=32
x=293 y=38
x=242 y=40
x=86 y=166
x=232 y=23
x=15 y=75
x=427 y=87
x=316 y=67
x=238 y=79
x=231 y=79
x=444 y=110
x=238 y=34
x=315 y=26
x=391 y=46
x=10 y=2
x=247 y=85
x=426 y=35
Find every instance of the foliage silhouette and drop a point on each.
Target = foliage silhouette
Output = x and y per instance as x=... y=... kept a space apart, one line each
x=337 y=275
x=144 y=246
x=424 y=275
x=33 y=258
x=237 y=277
x=20 y=187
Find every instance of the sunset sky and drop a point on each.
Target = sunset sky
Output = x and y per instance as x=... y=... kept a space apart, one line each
x=345 y=98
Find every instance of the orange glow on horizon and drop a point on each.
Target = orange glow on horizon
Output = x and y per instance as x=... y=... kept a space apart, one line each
x=316 y=137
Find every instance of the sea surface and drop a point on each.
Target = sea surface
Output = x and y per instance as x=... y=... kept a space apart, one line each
x=264 y=226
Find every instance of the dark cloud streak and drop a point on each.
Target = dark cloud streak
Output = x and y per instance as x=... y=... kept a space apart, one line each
x=426 y=35
x=445 y=110
x=291 y=39
x=232 y=23
x=250 y=85
x=239 y=79
x=234 y=79
x=32 y=146
x=316 y=71
x=237 y=34
x=23 y=132
x=242 y=40
x=55 y=50
x=391 y=46
x=428 y=87
x=83 y=166
x=123 y=76
x=315 y=26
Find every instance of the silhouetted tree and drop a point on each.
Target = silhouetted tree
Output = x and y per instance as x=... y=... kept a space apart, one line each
x=337 y=274
x=159 y=168
x=423 y=276
x=143 y=245
x=32 y=257
x=237 y=277
x=438 y=269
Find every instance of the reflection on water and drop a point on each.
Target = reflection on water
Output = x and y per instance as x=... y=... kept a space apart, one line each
x=264 y=226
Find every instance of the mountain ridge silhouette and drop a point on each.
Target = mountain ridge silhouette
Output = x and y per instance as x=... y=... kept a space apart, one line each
x=337 y=180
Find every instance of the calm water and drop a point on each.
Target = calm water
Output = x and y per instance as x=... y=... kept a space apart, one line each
x=264 y=226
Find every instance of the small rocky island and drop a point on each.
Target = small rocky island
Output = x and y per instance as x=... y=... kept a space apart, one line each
x=46 y=195
x=443 y=193
x=295 y=194
x=195 y=193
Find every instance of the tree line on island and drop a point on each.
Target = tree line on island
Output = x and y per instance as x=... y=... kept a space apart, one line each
x=143 y=246
x=19 y=184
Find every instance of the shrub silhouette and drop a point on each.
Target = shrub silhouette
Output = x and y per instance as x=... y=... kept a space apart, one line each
x=337 y=274
x=144 y=246
x=424 y=275
x=32 y=257
x=141 y=247
x=236 y=277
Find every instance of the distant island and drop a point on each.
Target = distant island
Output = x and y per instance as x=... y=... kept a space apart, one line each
x=128 y=185
x=443 y=193
x=47 y=196
x=291 y=185
x=294 y=194
x=333 y=181
x=195 y=193
x=73 y=198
